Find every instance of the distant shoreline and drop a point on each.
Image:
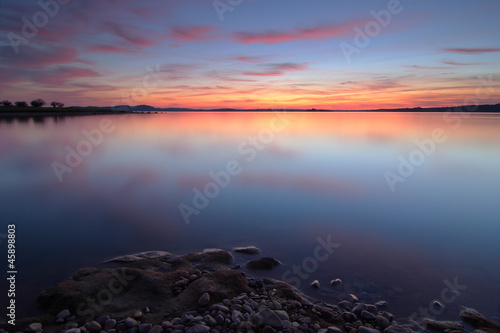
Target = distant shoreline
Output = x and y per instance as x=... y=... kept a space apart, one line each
x=14 y=111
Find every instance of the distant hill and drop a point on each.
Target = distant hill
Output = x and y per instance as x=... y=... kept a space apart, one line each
x=149 y=108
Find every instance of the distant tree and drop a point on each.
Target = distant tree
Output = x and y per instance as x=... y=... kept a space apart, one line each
x=6 y=103
x=21 y=104
x=37 y=103
x=57 y=104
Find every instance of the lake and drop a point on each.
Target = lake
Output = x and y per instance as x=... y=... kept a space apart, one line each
x=403 y=207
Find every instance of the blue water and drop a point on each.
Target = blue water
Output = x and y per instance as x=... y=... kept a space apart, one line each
x=317 y=175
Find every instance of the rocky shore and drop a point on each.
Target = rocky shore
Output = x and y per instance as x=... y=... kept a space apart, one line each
x=154 y=292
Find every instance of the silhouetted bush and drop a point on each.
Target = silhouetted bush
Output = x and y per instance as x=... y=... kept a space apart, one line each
x=37 y=103
x=21 y=104
x=6 y=103
x=57 y=104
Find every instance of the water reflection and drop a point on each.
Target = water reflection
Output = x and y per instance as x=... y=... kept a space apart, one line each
x=322 y=174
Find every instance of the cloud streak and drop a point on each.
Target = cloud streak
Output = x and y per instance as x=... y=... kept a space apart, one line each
x=472 y=50
x=319 y=32
x=278 y=69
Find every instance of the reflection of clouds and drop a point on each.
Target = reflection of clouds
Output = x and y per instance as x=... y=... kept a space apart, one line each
x=318 y=185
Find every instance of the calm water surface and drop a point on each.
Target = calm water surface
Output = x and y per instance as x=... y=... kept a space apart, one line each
x=306 y=176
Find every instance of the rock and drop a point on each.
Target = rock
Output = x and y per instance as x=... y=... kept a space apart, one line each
x=265 y=263
x=315 y=284
x=93 y=326
x=282 y=314
x=344 y=304
x=335 y=282
x=109 y=324
x=63 y=314
x=204 y=300
x=102 y=319
x=182 y=283
x=364 y=329
x=209 y=256
x=381 y=303
x=73 y=330
x=138 y=314
x=247 y=250
x=442 y=325
x=268 y=329
x=353 y=298
x=333 y=329
x=141 y=256
x=382 y=322
x=268 y=317
x=477 y=320
x=438 y=305
x=367 y=315
x=358 y=308
x=156 y=329
x=130 y=322
x=34 y=327
x=198 y=328
x=397 y=329
x=145 y=328
x=349 y=316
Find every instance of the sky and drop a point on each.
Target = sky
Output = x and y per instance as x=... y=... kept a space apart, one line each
x=328 y=54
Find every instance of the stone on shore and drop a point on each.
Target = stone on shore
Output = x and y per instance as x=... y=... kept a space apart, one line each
x=247 y=250
x=265 y=263
x=204 y=299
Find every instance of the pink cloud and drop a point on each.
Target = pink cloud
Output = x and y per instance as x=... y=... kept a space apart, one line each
x=278 y=69
x=249 y=59
x=189 y=34
x=472 y=50
x=320 y=32
x=129 y=33
x=61 y=75
x=454 y=63
x=423 y=67
x=100 y=48
x=36 y=57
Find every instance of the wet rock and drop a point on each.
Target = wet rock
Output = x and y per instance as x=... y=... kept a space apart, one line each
x=145 y=328
x=315 y=284
x=335 y=282
x=209 y=256
x=156 y=329
x=397 y=329
x=265 y=263
x=247 y=250
x=367 y=315
x=63 y=314
x=141 y=256
x=353 y=298
x=364 y=329
x=268 y=317
x=198 y=329
x=333 y=329
x=109 y=324
x=349 y=316
x=73 y=330
x=204 y=299
x=477 y=320
x=34 y=327
x=93 y=326
x=381 y=303
x=130 y=322
x=442 y=325
x=382 y=322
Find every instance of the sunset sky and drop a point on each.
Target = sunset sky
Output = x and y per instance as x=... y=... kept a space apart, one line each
x=333 y=54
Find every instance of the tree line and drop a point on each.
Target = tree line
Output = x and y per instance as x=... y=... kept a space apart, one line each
x=36 y=103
